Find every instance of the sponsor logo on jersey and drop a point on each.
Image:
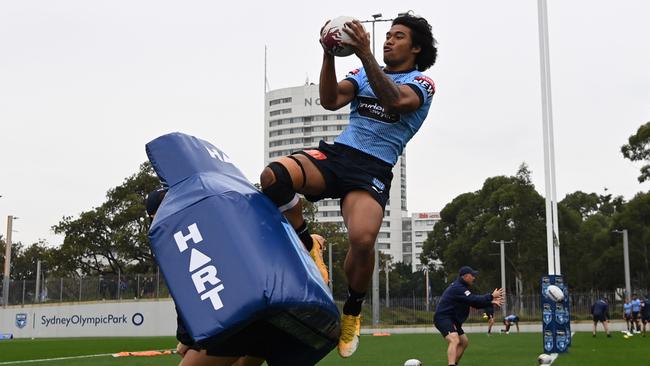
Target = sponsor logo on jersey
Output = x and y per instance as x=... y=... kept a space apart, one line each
x=467 y=293
x=370 y=108
x=427 y=84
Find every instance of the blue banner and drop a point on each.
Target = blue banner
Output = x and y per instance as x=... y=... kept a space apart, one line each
x=556 y=318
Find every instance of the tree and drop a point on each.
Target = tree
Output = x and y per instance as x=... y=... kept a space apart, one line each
x=113 y=236
x=24 y=264
x=15 y=253
x=505 y=208
x=635 y=218
x=638 y=149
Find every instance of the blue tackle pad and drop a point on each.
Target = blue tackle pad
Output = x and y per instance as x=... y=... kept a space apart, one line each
x=228 y=255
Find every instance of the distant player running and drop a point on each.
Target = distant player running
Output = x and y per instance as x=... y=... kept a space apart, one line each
x=387 y=107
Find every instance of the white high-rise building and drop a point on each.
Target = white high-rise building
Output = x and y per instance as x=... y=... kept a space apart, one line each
x=415 y=230
x=295 y=120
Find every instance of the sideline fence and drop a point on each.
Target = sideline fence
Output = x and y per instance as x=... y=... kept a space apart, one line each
x=401 y=311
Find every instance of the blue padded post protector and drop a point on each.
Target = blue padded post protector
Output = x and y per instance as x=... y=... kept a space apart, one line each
x=228 y=255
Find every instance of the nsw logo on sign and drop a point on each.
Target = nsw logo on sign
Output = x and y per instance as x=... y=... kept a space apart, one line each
x=21 y=320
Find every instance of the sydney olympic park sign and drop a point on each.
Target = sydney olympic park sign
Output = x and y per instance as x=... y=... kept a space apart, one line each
x=132 y=318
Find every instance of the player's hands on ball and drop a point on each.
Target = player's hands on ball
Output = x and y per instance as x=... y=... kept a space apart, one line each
x=498 y=296
x=359 y=38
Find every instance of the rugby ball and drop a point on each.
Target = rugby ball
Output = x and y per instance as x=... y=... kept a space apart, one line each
x=555 y=293
x=413 y=362
x=332 y=35
x=544 y=359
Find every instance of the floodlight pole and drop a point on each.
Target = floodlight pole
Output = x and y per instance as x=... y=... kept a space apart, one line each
x=503 y=267
x=375 y=272
x=552 y=230
x=626 y=262
x=38 y=281
x=7 y=268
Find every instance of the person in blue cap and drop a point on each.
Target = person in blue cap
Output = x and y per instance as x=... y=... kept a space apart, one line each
x=453 y=309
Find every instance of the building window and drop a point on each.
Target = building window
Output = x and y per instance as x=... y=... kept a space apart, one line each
x=280 y=101
x=280 y=111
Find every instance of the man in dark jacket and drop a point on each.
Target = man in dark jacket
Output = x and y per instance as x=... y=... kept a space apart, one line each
x=600 y=313
x=453 y=309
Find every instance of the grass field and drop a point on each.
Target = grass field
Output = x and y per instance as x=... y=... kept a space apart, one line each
x=504 y=350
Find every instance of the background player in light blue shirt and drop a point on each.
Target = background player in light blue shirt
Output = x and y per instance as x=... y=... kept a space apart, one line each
x=627 y=316
x=636 y=312
x=508 y=321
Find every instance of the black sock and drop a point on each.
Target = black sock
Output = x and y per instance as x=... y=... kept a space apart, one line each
x=353 y=304
x=305 y=236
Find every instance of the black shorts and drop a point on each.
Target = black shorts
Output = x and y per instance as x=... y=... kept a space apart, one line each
x=263 y=340
x=645 y=318
x=635 y=315
x=347 y=169
x=447 y=326
x=599 y=318
x=627 y=317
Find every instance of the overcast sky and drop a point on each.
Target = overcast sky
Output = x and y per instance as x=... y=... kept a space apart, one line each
x=85 y=84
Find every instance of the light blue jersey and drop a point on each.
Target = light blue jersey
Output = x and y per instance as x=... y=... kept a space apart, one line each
x=636 y=305
x=627 y=307
x=380 y=133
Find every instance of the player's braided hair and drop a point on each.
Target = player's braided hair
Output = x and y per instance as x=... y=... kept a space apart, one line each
x=422 y=37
